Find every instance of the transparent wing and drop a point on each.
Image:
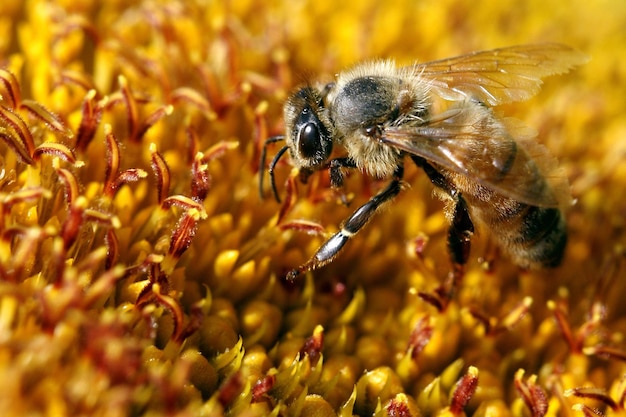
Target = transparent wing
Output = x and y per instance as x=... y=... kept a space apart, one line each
x=500 y=75
x=499 y=154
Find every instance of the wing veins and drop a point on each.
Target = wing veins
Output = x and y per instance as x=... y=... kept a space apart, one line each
x=500 y=75
x=446 y=146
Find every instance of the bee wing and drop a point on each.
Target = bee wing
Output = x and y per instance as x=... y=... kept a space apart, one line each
x=500 y=75
x=516 y=167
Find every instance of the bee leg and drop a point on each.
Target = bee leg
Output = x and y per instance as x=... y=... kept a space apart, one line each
x=336 y=176
x=434 y=176
x=461 y=229
x=304 y=174
x=329 y=249
x=460 y=233
x=459 y=242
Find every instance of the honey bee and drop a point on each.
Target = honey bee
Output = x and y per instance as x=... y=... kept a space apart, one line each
x=488 y=170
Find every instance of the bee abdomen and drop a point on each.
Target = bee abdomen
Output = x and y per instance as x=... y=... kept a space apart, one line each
x=544 y=231
x=537 y=236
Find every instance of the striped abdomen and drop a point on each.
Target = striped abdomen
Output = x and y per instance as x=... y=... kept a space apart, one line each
x=532 y=236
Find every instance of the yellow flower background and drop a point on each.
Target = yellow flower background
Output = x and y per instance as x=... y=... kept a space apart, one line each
x=142 y=274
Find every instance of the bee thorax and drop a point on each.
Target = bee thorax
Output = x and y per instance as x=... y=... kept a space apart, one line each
x=374 y=158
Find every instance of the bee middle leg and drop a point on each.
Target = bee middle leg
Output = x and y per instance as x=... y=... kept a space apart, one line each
x=350 y=227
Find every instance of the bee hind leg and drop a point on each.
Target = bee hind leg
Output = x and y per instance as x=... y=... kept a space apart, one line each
x=350 y=227
x=461 y=228
x=460 y=234
x=459 y=242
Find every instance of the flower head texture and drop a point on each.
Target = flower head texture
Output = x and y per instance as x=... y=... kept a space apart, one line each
x=142 y=274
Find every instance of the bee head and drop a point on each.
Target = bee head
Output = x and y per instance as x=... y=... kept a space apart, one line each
x=308 y=129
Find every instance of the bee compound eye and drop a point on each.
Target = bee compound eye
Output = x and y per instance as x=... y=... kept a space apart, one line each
x=309 y=140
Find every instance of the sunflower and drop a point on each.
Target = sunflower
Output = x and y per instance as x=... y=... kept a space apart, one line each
x=142 y=274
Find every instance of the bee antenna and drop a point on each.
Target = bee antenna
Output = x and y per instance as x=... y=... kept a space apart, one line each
x=280 y=153
x=271 y=140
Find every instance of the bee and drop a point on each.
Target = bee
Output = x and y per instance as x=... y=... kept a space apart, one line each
x=489 y=170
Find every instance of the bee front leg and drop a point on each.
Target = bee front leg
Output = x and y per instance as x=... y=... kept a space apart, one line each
x=350 y=227
x=336 y=176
